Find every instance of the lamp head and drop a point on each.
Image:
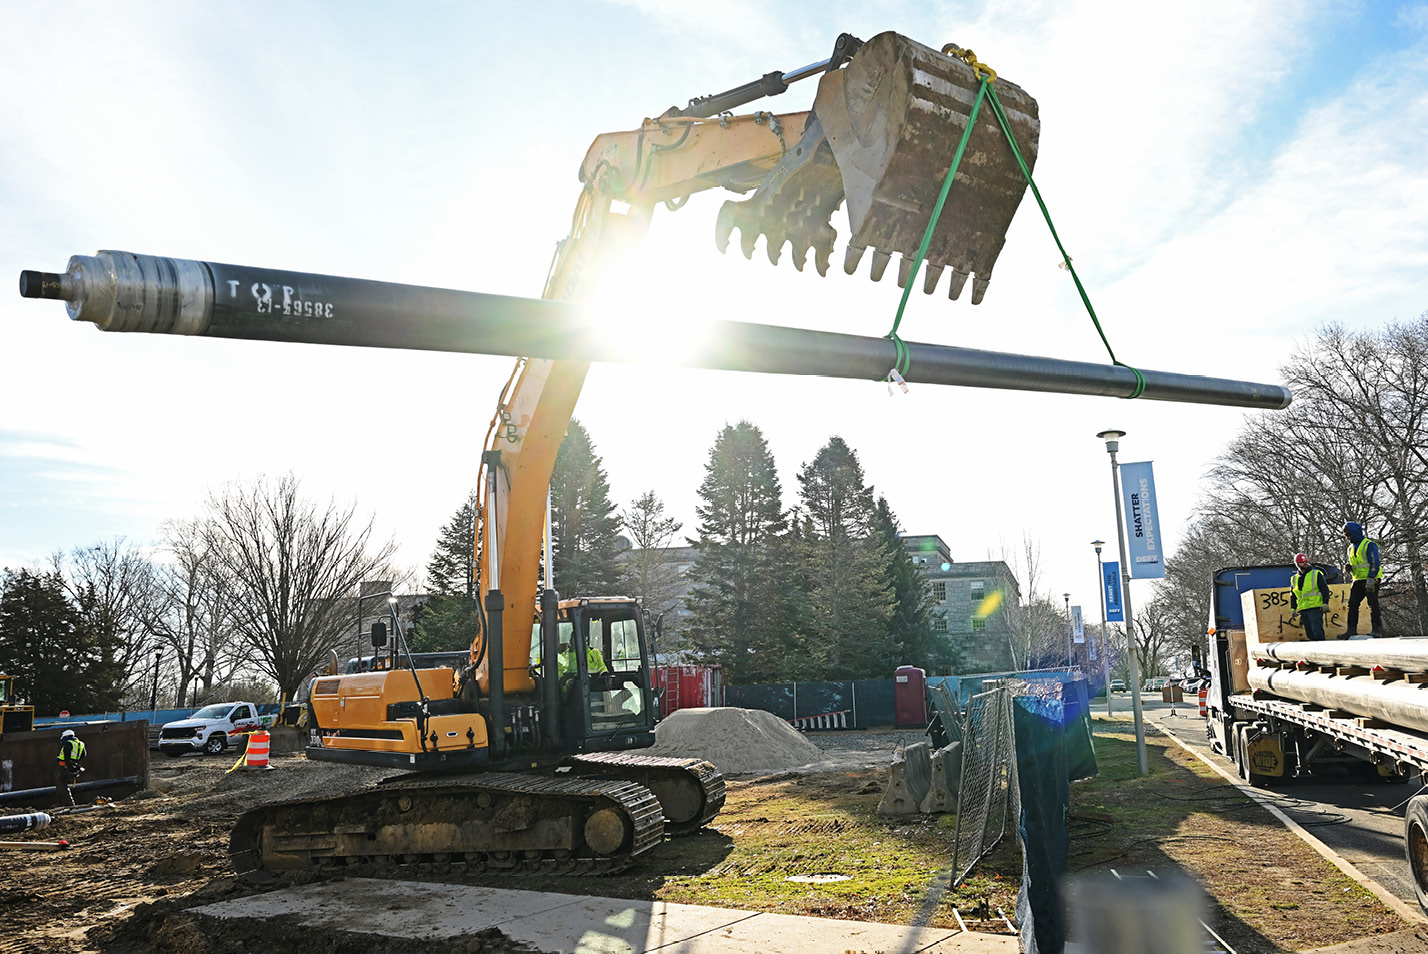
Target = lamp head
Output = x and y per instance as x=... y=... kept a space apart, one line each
x=1098 y=543
x=1112 y=439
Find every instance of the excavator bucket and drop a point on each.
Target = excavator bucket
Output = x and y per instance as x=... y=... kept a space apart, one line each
x=883 y=133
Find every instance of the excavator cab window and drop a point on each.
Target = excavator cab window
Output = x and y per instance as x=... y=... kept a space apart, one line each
x=616 y=664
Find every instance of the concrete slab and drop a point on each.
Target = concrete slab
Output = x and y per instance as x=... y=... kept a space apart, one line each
x=581 y=925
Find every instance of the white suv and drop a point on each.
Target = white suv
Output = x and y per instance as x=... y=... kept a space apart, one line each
x=210 y=729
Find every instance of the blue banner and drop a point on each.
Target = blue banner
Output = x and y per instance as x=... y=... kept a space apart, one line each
x=1142 y=522
x=1111 y=592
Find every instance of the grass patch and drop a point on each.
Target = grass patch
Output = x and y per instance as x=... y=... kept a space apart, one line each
x=1268 y=890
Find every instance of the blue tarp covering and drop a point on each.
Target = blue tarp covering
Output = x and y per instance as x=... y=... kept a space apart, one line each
x=1041 y=726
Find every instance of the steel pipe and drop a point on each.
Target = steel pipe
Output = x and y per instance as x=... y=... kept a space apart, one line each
x=22 y=795
x=1399 y=703
x=122 y=291
x=13 y=823
x=1405 y=653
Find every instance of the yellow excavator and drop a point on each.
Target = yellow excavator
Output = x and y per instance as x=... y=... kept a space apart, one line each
x=13 y=716
x=524 y=758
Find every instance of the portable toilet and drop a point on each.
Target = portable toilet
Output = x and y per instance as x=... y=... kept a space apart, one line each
x=910 y=697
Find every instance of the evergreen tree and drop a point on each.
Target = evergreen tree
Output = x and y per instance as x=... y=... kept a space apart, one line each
x=850 y=601
x=910 y=626
x=448 y=620
x=736 y=608
x=583 y=525
x=44 y=642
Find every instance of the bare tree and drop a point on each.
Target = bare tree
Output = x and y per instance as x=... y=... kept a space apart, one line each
x=649 y=571
x=1036 y=626
x=195 y=619
x=1354 y=446
x=291 y=564
x=1151 y=631
x=113 y=585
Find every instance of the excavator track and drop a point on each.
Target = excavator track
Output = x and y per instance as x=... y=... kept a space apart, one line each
x=690 y=791
x=488 y=822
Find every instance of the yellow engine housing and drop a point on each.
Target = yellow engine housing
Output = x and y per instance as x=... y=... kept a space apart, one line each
x=352 y=713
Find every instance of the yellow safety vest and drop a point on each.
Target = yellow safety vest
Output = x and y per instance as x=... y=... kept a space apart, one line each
x=71 y=749
x=1306 y=596
x=1358 y=560
x=594 y=662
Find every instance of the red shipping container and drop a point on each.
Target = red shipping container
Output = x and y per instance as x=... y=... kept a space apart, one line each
x=910 y=696
x=688 y=687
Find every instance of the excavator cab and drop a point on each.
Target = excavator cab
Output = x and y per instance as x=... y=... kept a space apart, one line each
x=602 y=672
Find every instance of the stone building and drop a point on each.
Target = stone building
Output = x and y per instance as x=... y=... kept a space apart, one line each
x=973 y=604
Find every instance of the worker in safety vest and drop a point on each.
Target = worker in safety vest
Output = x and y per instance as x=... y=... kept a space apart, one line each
x=71 y=753
x=565 y=661
x=1365 y=568
x=1308 y=595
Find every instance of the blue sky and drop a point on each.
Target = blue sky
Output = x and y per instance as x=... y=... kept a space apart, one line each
x=1227 y=177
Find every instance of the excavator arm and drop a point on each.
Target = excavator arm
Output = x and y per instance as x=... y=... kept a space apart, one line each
x=886 y=119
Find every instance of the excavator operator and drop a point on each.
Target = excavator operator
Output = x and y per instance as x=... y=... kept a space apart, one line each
x=565 y=661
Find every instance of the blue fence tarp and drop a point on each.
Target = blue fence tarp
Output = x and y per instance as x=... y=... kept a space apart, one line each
x=154 y=716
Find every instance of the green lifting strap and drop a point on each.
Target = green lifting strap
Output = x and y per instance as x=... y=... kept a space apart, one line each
x=983 y=88
x=902 y=357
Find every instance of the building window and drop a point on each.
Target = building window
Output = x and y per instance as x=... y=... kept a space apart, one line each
x=939 y=624
x=977 y=591
x=939 y=591
x=979 y=624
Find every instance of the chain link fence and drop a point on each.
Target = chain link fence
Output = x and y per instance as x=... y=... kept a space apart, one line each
x=989 y=797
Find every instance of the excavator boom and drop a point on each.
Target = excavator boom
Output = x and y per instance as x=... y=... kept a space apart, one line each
x=882 y=134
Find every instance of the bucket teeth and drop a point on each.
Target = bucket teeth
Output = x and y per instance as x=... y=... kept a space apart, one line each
x=851 y=258
x=904 y=271
x=800 y=254
x=747 y=238
x=959 y=278
x=979 y=288
x=880 y=264
x=773 y=247
x=823 y=250
x=929 y=281
x=724 y=225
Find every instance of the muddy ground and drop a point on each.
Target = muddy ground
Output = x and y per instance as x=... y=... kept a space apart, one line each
x=133 y=867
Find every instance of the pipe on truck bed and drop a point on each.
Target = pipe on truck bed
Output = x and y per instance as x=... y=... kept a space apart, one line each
x=1399 y=703
x=122 y=291
x=1404 y=653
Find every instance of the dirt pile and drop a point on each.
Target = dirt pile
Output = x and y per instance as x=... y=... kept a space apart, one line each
x=738 y=741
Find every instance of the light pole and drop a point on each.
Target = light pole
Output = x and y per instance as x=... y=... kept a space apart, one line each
x=1105 y=654
x=1113 y=444
x=1067 y=597
x=154 y=699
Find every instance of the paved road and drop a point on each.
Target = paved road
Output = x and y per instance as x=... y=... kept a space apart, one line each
x=1361 y=821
